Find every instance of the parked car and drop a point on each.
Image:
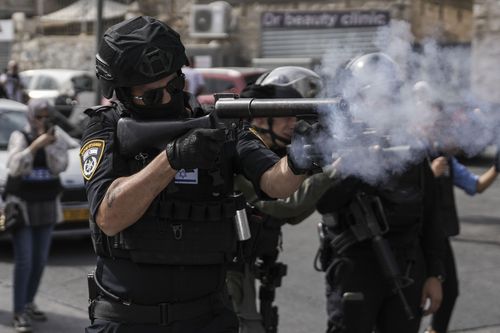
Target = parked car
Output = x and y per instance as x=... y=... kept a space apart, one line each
x=13 y=116
x=226 y=80
x=70 y=91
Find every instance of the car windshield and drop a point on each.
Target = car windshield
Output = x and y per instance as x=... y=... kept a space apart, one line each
x=46 y=82
x=10 y=121
x=26 y=80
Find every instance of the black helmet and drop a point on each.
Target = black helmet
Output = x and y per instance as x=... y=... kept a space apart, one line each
x=371 y=72
x=138 y=51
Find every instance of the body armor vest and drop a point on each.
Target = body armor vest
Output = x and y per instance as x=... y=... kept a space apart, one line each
x=191 y=222
x=39 y=185
x=403 y=199
x=401 y=203
x=447 y=209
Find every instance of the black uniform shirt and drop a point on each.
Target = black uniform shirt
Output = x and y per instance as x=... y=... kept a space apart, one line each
x=150 y=283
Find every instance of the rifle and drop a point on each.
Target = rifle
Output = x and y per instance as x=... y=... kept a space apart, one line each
x=367 y=221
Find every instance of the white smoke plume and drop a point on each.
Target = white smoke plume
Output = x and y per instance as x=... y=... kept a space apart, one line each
x=424 y=106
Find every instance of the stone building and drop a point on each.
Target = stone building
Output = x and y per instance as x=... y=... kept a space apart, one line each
x=485 y=78
x=251 y=35
x=268 y=33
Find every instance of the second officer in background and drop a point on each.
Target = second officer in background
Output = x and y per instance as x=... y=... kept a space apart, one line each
x=267 y=217
x=382 y=249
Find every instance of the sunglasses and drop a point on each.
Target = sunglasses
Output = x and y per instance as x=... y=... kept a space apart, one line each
x=155 y=96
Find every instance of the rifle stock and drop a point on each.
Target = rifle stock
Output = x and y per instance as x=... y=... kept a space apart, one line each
x=135 y=136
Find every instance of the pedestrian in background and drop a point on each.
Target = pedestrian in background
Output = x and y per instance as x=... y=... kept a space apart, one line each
x=36 y=157
x=12 y=84
x=449 y=173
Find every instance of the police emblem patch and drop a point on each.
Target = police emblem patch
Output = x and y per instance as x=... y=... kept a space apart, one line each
x=90 y=156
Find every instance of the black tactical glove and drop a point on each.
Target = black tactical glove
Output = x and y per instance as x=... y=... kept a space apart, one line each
x=198 y=148
x=302 y=156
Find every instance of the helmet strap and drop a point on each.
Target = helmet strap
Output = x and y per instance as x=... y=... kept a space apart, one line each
x=275 y=138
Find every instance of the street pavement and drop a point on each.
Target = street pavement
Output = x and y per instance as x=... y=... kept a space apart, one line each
x=63 y=292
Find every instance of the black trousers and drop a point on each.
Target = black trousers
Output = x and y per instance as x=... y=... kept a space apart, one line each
x=381 y=308
x=441 y=318
x=224 y=321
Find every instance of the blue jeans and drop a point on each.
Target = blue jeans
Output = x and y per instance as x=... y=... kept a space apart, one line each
x=31 y=250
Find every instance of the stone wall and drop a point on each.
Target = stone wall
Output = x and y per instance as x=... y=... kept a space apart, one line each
x=485 y=78
x=76 y=52
x=445 y=22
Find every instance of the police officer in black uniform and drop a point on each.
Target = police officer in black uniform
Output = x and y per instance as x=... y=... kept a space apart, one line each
x=267 y=217
x=381 y=247
x=163 y=237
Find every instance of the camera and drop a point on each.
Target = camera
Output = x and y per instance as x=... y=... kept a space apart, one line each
x=48 y=124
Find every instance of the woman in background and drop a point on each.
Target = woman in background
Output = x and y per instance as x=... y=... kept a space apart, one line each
x=36 y=157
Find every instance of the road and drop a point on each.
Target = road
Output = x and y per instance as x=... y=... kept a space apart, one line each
x=63 y=292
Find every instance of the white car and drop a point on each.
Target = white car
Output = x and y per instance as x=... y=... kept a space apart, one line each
x=74 y=200
x=71 y=91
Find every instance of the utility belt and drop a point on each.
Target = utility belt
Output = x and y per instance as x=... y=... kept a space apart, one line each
x=106 y=306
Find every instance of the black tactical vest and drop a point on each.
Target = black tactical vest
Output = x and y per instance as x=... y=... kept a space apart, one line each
x=191 y=222
x=39 y=185
x=402 y=200
x=447 y=209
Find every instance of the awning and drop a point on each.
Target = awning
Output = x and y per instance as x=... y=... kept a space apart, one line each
x=84 y=11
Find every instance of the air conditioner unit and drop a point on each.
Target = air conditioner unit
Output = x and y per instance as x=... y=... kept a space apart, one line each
x=211 y=20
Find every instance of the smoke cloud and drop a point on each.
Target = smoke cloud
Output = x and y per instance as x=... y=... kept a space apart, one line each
x=398 y=117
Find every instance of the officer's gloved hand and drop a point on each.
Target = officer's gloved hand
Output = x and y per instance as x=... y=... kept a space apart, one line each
x=198 y=148
x=301 y=154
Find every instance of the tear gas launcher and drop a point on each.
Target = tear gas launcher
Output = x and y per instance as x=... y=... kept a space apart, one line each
x=230 y=111
x=135 y=136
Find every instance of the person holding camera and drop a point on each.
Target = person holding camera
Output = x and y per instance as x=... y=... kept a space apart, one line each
x=36 y=157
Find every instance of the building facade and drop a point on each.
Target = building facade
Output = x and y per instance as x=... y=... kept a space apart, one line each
x=269 y=33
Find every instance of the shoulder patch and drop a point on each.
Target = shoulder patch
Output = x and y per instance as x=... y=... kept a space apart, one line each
x=90 y=157
x=257 y=135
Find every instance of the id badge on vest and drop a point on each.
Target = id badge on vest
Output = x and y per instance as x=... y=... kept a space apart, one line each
x=39 y=175
x=187 y=177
